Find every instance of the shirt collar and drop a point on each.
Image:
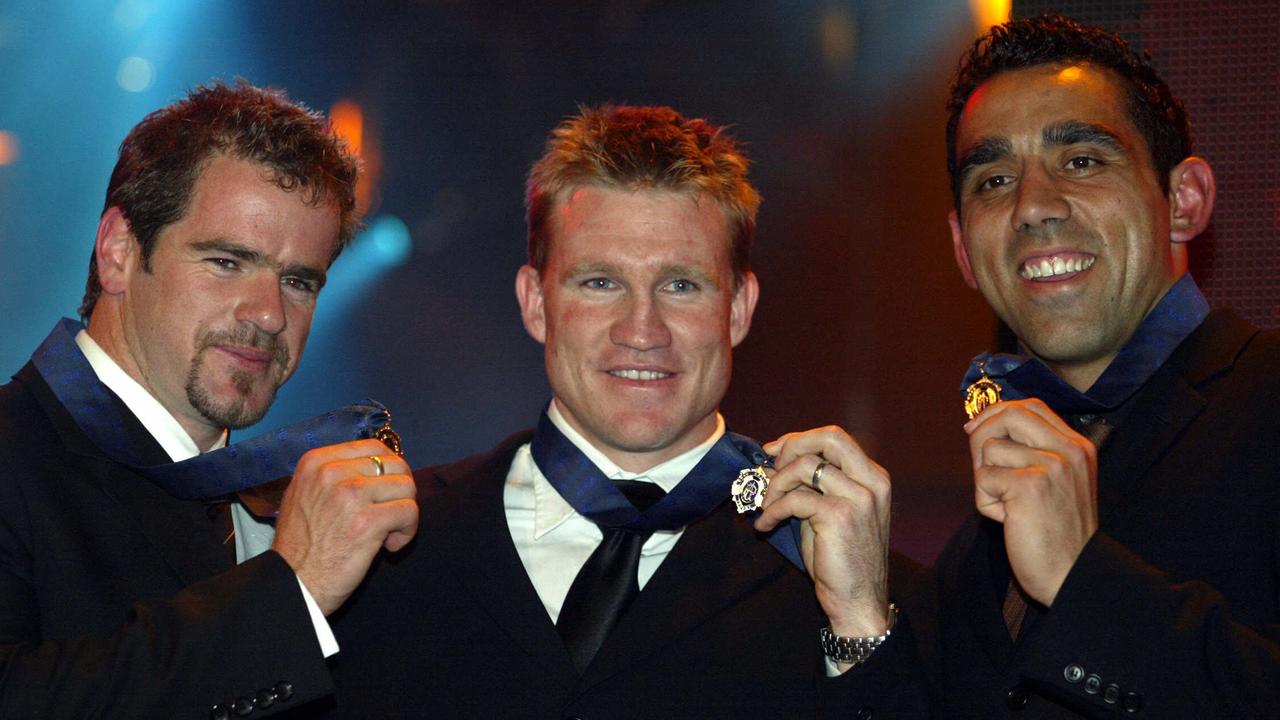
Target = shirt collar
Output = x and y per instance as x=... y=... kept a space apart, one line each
x=158 y=421
x=550 y=510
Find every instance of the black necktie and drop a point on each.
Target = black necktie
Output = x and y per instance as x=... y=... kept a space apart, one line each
x=607 y=583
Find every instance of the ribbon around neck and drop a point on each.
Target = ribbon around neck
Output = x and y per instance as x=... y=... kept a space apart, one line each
x=214 y=474
x=591 y=493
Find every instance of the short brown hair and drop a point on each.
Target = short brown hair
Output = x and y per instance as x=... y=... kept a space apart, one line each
x=163 y=156
x=629 y=147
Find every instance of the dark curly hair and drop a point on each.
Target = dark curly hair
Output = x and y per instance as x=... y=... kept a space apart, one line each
x=630 y=147
x=1053 y=39
x=163 y=155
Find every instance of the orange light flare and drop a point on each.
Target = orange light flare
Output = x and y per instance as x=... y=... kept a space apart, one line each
x=347 y=119
x=987 y=13
x=10 y=149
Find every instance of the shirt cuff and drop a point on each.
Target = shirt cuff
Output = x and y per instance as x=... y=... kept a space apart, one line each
x=833 y=670
x=328 y=643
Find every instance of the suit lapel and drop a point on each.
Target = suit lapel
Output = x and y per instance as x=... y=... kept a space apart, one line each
x=1165 y=406
x=471 y=516
x=717 y=561
x=178 y=530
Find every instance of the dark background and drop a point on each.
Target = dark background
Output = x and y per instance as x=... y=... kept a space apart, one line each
x=864 y=320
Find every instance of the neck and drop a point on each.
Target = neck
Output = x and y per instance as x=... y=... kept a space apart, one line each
x=108 y=333
x=1080 y=376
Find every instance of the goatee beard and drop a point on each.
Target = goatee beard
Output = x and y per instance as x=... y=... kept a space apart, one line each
x=236 y=412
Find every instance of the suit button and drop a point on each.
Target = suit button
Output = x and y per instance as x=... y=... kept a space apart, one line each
x=1132 y=702
x=866 y=712
x=1016 y=698
x=1111 y=694
x=219 y=712
x=242 y=706
x=283 y=690
x=1092 y=684
x=264 y=699
x=1073 y=673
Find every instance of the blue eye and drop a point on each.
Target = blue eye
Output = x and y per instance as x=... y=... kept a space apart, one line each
x=682 y=285
x=598 y=283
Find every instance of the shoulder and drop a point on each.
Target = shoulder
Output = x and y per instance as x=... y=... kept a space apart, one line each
x=494 y=463
x=25 y=425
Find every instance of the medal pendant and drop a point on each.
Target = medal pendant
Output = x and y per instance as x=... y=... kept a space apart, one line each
x=983 y=392
x=748 y=490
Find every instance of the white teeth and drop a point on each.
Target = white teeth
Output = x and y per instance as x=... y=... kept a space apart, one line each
x=639 y=374
x=1050 y=267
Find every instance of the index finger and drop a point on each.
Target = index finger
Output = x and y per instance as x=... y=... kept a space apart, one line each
x=1033 y=425
x=831 y=443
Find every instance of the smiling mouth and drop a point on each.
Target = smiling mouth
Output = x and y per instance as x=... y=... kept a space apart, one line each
x=1053 y=266
x=640 y=374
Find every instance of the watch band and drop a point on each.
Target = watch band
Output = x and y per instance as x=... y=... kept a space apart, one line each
x=854 y=650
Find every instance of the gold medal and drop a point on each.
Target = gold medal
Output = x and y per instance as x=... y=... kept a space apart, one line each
x=389 y=437
x=748 y=490
x=983 y=392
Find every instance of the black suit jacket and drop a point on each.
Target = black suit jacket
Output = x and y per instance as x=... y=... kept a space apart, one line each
x=725 y=628
x=1172 y=609
x=118 y=600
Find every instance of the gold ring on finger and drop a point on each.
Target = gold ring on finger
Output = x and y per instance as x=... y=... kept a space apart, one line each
x=377 y=463
x=816 y=480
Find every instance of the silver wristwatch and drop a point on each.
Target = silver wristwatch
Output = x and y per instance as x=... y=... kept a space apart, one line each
x=854 y=650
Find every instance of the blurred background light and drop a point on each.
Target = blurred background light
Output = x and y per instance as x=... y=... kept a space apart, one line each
x=990 y=12
x=135 y=74
x=9 y=148
x=390 y=239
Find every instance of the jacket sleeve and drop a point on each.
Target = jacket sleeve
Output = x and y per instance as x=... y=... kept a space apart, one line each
x=1121 y=637
x=242 y=636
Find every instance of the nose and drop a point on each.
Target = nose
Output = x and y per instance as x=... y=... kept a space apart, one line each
x=262 y=304
x=640 y=325
x=1039 y=201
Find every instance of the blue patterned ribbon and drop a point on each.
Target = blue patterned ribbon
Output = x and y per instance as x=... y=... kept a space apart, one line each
x=237 y=467
x=1176 y=316
x=591 y=493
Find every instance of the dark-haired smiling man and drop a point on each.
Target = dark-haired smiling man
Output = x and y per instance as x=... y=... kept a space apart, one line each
x=1124 y=555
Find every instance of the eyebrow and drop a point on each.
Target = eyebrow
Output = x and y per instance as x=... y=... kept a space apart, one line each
x=253 y=257
x=1075 y=132
x=986 y=151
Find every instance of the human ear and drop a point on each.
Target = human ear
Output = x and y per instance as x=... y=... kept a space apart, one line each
x=1191 y=193
x=532 y=306
x=114 y=248
x=962 y=253
x=743 y=308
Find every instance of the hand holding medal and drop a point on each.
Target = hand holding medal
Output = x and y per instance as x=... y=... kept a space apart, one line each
x=842 y=498
x=343 y=504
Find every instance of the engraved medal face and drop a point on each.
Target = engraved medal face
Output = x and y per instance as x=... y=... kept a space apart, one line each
x=389 y=437
x=983 y=392
x=748 y=490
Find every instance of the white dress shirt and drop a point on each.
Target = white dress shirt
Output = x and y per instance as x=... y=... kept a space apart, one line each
x=252 y=537
x=554 y=541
